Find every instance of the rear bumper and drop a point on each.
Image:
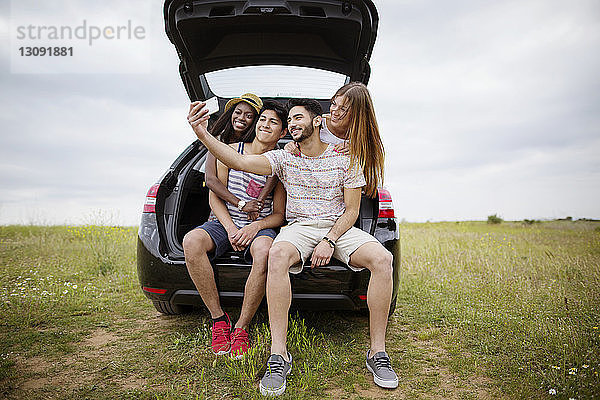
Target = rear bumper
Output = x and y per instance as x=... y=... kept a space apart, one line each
x=304 y=301
x=333 y=287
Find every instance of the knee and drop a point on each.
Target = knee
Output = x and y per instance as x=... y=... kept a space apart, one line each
x=194 y=241
x=382 y=261
x=278 y=259
x=260 y=254
x=260 y=248
x=188 y=241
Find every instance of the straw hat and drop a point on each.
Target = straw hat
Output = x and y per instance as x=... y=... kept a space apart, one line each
x=253 y=100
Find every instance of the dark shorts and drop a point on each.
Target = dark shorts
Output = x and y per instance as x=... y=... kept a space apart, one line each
x=218 y=234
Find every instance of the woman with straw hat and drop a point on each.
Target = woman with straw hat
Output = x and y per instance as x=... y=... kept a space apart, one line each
x=236 y=124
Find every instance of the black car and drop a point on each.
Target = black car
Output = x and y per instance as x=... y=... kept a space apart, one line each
x=277 y=49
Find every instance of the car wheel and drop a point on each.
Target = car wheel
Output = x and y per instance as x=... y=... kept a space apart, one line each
x=170 y=309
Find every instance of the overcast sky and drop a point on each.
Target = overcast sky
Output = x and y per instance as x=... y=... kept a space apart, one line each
x=485 y=107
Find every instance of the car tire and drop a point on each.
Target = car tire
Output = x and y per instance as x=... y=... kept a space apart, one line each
x=167 y=308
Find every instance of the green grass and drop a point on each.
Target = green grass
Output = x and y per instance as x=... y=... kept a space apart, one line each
x=517 y=303
x=484 y=311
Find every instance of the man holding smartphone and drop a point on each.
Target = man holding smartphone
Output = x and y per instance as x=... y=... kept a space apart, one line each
x=323 y=201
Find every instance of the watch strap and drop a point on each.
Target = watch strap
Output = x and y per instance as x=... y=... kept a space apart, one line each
x=241 y=204
x=329 y=241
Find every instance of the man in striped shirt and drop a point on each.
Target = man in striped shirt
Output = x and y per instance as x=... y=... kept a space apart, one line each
x=323 y=201
x=229 y=227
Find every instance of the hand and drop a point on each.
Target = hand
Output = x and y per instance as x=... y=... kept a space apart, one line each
x=231 y=232
x=342 y=147
x=253 y=206
x=244 y=236
x=292 y=148
x=198 y=119
x=321 y=254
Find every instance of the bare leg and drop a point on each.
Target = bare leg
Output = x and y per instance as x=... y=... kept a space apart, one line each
x=196 y=244
x=279 y=293
x=378 y=260
x=256 y=282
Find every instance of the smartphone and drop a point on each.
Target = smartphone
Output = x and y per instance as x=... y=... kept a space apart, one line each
x=212 y=105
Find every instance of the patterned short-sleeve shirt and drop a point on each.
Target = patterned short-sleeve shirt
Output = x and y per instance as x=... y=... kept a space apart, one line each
x=315 y=185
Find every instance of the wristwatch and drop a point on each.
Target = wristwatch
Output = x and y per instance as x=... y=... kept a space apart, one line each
x=329 y=241
x=241 y=204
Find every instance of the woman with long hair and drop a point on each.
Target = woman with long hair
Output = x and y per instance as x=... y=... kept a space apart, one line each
x=237 y=123
x=352 y=126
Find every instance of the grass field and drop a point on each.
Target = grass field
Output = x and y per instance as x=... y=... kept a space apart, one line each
x=484 y=311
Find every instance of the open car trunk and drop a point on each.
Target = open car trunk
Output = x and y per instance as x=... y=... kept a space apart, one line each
x=226 y=46
x=193 y=209
x=212 y=35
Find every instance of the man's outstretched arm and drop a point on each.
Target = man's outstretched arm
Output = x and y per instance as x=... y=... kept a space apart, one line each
x=198 y=120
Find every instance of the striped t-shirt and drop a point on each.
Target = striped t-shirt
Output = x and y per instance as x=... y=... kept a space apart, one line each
x=246 y=186
x=314 y=185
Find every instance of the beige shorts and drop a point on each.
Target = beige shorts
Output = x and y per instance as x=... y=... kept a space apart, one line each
x=305 y=236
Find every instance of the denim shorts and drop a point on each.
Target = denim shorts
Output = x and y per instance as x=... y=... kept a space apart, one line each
x=218 y=234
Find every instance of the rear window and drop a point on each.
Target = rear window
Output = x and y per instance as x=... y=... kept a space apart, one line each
x=275 y=81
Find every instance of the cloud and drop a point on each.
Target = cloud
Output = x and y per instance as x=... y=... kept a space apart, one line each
x=478 y=95
x=76 y=147
x=484 y=107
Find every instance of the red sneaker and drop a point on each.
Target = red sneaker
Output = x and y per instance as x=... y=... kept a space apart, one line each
x=221 y=337
x=240 y=343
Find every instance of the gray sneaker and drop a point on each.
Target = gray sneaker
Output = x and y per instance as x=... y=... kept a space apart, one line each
x=381 y=368
x=273 y=383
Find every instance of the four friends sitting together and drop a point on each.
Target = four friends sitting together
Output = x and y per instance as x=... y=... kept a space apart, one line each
x=314 y=187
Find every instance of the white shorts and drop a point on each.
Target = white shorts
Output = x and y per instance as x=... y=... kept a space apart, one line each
x=306 y=235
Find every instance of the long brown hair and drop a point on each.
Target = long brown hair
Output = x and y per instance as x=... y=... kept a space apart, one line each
x=366 y=147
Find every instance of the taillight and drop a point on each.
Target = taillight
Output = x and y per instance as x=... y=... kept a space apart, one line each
x=154 y=290
x=386 y=208
x=150 y=204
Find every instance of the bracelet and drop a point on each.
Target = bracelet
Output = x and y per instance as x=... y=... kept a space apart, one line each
x=329 y=241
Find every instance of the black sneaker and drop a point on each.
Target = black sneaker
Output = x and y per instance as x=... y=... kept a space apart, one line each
x=381 y=368
x=273 y=383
